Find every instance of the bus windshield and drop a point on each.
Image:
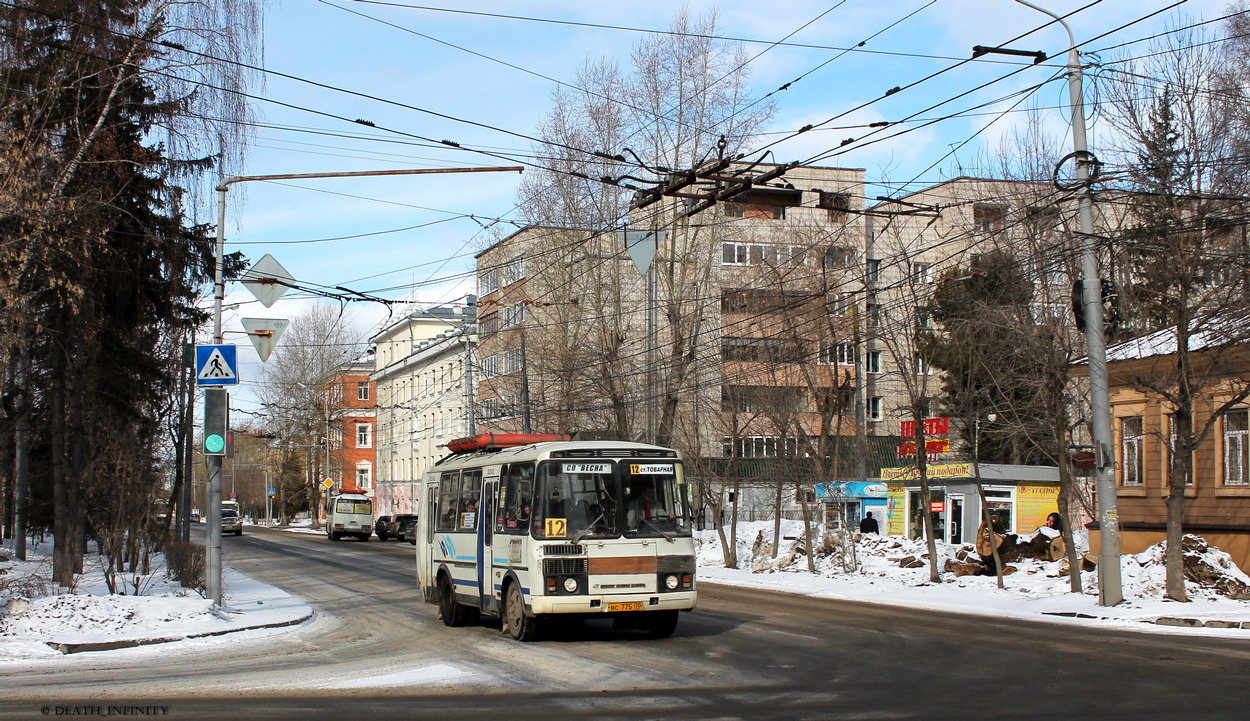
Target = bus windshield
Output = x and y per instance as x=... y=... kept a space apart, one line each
x=602 y=499
x=656 y=499
x=576 y=499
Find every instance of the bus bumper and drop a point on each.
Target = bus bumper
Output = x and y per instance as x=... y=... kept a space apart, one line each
x=681 y=601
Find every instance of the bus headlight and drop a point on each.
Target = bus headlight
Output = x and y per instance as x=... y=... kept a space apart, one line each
x=671 y=582
x=570 y=585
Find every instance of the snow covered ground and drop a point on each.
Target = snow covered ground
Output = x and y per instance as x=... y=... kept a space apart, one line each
x=33 y=625
x=36 y=625
x=1035 y=591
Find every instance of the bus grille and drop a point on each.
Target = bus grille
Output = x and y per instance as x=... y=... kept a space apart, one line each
x=564 y=566
x=563 y=549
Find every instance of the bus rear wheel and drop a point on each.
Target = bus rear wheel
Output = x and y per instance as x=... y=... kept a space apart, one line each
x=452 y=613
x=520 y=626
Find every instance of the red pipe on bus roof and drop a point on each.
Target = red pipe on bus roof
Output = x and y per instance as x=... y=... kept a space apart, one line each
x=502 y=440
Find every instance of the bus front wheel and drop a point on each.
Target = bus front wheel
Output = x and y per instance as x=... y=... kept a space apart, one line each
x=520 y=626
x=661 y=624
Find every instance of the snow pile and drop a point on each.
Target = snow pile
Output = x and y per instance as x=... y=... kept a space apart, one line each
x=904 y=563
x=32 y=607
x=1209 y=572
x=84 y=619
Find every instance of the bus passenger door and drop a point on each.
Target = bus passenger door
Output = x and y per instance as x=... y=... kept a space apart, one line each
x=485 y=537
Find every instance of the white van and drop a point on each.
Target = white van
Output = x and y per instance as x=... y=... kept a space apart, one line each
x=349 y=514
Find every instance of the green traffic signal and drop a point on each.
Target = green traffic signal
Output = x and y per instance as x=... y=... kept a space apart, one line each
x=216 y=421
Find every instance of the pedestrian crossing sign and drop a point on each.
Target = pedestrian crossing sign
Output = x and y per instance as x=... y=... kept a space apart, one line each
x=216 y=365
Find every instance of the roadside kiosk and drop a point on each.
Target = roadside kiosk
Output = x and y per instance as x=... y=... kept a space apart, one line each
x=1020 y=497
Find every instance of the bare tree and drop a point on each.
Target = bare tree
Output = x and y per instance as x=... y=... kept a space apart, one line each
x=297 y=389
x=1176 y=133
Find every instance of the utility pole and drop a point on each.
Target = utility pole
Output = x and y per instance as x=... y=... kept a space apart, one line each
x=1110 y=589
x=213 y=556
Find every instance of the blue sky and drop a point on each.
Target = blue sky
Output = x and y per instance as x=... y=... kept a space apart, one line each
x=457 y=64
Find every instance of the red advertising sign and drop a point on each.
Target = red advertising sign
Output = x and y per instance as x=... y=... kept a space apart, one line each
x=931 y=446
x=937 y=506
x=932 y=427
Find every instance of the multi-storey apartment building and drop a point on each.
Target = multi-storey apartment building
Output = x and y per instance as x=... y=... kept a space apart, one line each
x=738 y=341
x=419 y=369
x=919 y=239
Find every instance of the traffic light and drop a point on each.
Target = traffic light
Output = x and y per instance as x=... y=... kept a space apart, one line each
x=1110 y=307
x=216 y=421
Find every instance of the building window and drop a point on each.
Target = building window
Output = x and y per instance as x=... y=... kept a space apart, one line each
x=923 y=367
x=989 y=217
x=362 y=391
x=513 y=361
x=513 y=315
x=364 y=475
x=1132 y=466
x=922 y=273
x=512 y=271
x=1041 y=219
x=872 y=270
x=1236 y=448
x=872 y=408
x=489 y=325
x=759 y=446
x=836 y=353
x=838 y=205
x=756 y=254
x=488 y=282
x=490 y=367
x=364 y=435
x=874 y=315
x=838 y=256
x=872 y=361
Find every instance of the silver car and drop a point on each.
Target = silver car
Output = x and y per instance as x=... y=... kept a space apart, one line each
x=230 y=522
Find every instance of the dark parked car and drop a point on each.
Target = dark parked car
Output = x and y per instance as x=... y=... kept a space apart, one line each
x=388 y=527
x=405 y=527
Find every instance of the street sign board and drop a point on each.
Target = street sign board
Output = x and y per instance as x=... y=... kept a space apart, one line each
x=328 y=483
x=271 y=491
x=216 y=365
x=267 y=280
x=264 y=333
x=641 y=246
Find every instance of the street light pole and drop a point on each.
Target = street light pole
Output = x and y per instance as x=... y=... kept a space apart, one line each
x=1110 y=591
x=213 y=555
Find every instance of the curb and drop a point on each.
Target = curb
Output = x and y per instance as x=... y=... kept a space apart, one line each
x=1199 y=623
x=68 y=648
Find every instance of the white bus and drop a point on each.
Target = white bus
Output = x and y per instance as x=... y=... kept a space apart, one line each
x=349 y=514
x=526 y=530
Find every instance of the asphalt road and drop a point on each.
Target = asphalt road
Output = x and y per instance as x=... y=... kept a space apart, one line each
x=743 y=654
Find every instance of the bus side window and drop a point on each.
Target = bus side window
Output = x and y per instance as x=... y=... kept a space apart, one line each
x=447 y=497
x=518 y=497
x=470 y=494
